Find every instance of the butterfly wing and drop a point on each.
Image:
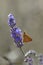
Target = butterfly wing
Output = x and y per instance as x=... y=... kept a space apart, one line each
x=26 y=38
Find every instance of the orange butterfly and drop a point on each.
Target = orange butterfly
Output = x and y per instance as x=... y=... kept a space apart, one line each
x=26 y=38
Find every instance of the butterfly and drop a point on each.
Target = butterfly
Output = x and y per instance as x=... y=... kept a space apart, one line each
x=26 y=37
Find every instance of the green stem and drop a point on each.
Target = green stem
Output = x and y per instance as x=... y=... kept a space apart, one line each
x=21 y=50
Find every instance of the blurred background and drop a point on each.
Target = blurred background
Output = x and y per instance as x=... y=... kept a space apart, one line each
x=29 y=17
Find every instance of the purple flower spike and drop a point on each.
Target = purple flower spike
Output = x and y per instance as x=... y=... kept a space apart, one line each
x=29 y=60
x=16 y=33
x=40 y=58
x=11 y=20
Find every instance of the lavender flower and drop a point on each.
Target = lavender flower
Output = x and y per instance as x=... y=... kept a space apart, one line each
x=40 y=58
x=17 y=36
x=11 y=20
x=31 y=53
x=29 y=60
x=16 y=32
